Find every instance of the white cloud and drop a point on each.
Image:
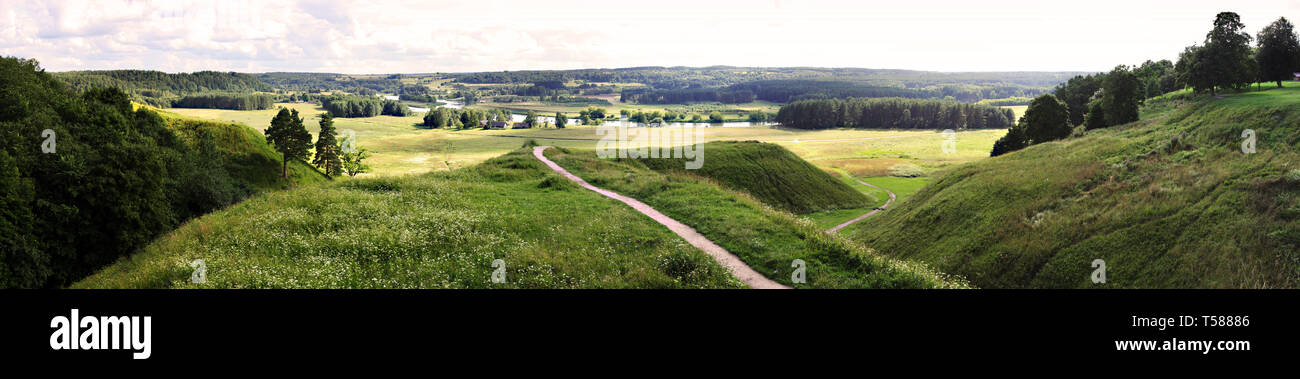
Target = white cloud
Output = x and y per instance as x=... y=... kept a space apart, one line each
x=379 y=36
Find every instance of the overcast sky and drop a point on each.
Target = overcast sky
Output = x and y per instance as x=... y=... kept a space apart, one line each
x=378 y=36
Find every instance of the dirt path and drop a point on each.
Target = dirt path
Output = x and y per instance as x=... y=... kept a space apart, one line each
x=873 y=211
x=725 y=258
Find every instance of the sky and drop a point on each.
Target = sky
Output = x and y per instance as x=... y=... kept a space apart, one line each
x=380 y=36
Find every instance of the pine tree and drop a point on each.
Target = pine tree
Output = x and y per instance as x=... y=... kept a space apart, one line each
x=288 y=135
x=327 y=148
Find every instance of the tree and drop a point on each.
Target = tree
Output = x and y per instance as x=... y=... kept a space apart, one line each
x=1279 y=52
x=1014 y=140
x=1190 y=69
x=288 y=135
x=327 y=148
x=1121 y=96
x=353 y=162
x=715 y=117
x=1046 y=119
x=1225 y=58
x=1077 y=93
x=560 y=120
x=1096 y=118
x=531 y=118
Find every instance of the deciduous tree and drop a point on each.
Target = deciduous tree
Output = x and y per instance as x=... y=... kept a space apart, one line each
x=1279 y=52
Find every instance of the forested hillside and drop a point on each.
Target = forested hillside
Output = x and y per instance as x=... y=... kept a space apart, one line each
x=228 y=90
x=87 y=179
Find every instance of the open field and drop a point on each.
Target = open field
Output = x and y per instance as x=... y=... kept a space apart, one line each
x=400 y=146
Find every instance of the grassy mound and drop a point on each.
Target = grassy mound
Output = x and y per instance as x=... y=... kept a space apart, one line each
x=247 y=155
x=765 y=238
x=1168 y=201
x=439 y=230
x=771 y=174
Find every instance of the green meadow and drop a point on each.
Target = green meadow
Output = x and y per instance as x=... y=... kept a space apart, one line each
x=400 y=146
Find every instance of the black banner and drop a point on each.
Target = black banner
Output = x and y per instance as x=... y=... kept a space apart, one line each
x=354 y=326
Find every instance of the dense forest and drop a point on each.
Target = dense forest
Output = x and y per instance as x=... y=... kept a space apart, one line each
x=363 y=106
x=162 y=89
x=734 y=85
x=722 y=76
x=86 y=180
x=892 y=113
x=237 y=101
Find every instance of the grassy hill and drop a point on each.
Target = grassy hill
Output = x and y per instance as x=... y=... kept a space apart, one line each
x=247 y=155
x=445 y=229
x=439 y=230
x=771 y=174
x=1168 y=201
x=767 y=239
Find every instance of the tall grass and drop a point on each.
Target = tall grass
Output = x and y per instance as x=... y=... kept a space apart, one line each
x=439 y=230
x=1168 y=201
x=765 y=238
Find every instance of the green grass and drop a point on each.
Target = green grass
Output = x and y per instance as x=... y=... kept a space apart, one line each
x=767 y=239
x=248 y=156
x=903 y=189
x=770 y=173
x=400 y=147
x=1169 y=201
x=438 y=230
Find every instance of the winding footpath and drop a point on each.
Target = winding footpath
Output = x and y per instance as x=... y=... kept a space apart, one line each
x=725 y=258
x=873 y=211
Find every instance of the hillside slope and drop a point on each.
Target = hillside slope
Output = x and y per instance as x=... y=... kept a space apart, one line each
x=446 y=229
x=766 y=239
x=771 y=174
x=1168 y=201
x=247 y=155
x=439 y=230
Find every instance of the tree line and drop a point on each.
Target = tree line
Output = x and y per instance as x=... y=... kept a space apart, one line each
x=443 y=117
x=891 y=113
x=1226 y=61
x=363 y=106
x=236 y=101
